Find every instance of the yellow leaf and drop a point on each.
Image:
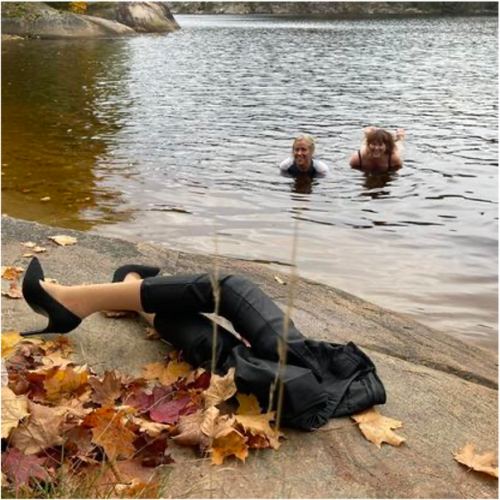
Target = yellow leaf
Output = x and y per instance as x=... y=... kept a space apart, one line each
x=29 y=244
x=9 y=342
x=259 y=425
x=221 y=389
x=228 y=444
x=14 y=408
x=38 y=249
x=249 y=404
x=481 y=463
x=45 y=198
x=167 y=375
x=377 y=428
x=66 y=383
x=63 y=240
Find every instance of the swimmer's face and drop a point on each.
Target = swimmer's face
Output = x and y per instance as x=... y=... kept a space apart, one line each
x=377 y=148
x=302 y=154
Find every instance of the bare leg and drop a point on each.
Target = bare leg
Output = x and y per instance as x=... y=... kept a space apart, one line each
x=84 y=300
x=400 y=139
x=149 y=317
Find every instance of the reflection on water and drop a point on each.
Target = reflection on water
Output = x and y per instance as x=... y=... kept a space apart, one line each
x=54 y=132
x=169 y=138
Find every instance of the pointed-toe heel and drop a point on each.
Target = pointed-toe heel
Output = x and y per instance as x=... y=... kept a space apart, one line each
x=61 y=320
x=142 y=271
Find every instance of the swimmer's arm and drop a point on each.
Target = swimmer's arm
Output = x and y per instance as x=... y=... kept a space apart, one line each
x=396 y=161
x=354 y=161
x=321 y=167
x=286 y=164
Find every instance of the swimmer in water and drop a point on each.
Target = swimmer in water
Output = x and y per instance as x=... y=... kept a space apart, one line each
x=380 y=152
x=302 y=162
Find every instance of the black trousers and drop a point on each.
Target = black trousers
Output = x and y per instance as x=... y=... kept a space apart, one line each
x=321 y=380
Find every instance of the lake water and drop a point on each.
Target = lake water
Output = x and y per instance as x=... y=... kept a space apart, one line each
x=174 y=138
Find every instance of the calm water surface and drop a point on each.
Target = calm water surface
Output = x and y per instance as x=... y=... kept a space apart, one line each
x=171 y=138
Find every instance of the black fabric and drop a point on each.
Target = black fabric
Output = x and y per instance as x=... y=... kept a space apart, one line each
x=321 y=380
x=294 y=171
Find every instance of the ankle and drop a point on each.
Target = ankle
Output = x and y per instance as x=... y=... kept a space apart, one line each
x=62 y=294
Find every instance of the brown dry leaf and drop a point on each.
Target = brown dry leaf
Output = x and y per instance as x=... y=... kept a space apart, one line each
x=138 y=489
x=66 y=383
x=197 y=429
x=169 y=374
x=249 y=404
x=377 y=428
x=28 y=255
x=107 y=390
x=42 y=430
x=9 y=342
x=481 y=463
x=153 y=429
x=259 y=425
x=54 y=359
x=228 y=443
x=14 y=408
x=109 y=432
x=45 y=198
x=38 y=249
x=29 y=244
x=119 y=314
x=11 y=273
x=152 y=334
x=14 y=292
x=63 y=240
x=221 y=389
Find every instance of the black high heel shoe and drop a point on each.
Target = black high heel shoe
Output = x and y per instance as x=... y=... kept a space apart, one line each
x=142 y=271
x=61 y=320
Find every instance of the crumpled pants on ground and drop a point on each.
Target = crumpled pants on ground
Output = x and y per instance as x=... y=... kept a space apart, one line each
x=321 y=380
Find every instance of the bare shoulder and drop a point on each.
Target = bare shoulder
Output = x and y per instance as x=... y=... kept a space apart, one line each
x=396 y=160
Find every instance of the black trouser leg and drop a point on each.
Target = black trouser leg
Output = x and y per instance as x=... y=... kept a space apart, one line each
x=254 y=315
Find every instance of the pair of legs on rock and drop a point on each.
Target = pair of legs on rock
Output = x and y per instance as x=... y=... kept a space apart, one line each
x=321 y=380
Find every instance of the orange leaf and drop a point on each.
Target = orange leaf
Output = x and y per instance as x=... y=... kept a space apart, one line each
x=481 y=463
x=107 y=390
x=377 y=428
x=11 y=273
x=229 y=443
x=109 y=432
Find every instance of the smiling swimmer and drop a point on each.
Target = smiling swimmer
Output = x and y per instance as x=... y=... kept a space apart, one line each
x=302 y=162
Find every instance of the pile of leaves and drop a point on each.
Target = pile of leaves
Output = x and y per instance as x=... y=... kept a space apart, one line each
x=65 y=427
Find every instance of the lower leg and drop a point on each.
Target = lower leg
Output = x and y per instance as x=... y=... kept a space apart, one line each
x=84 y=300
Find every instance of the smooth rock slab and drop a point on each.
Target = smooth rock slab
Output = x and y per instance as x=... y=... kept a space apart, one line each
x=445 y=391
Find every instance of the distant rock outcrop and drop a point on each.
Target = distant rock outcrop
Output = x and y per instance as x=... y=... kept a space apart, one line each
x=112 y=19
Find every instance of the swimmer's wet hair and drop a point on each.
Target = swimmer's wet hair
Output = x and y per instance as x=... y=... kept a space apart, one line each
x=308 y=138
x=381 y=136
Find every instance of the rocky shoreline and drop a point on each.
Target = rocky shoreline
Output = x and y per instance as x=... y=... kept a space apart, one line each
x=445 y=391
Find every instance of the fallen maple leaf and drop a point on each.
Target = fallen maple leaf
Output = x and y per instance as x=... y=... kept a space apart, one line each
x=197 y=429
x=377 y=428
x=21 y=468
x=227 y=443
x=259 y=425
x=9 y=342
x=109 y=432
x=41 y=431
x=63 y=240
x=66 y=383
x=168 y=374
x=248 y=404
x=29 y=244
x=168 y=410
x=481 y=463
x=221 y=389
x=107 y=390
x=152 y=429
x=152 y=451
x=14 y=408
x=14 y=292
x=11 y=273
x=38 y=249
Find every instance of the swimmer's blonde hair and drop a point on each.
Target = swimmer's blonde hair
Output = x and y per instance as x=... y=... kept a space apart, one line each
x=308 y=138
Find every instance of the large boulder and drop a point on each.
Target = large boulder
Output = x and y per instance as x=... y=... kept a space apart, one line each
x=36 y=19
x=143 y=17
